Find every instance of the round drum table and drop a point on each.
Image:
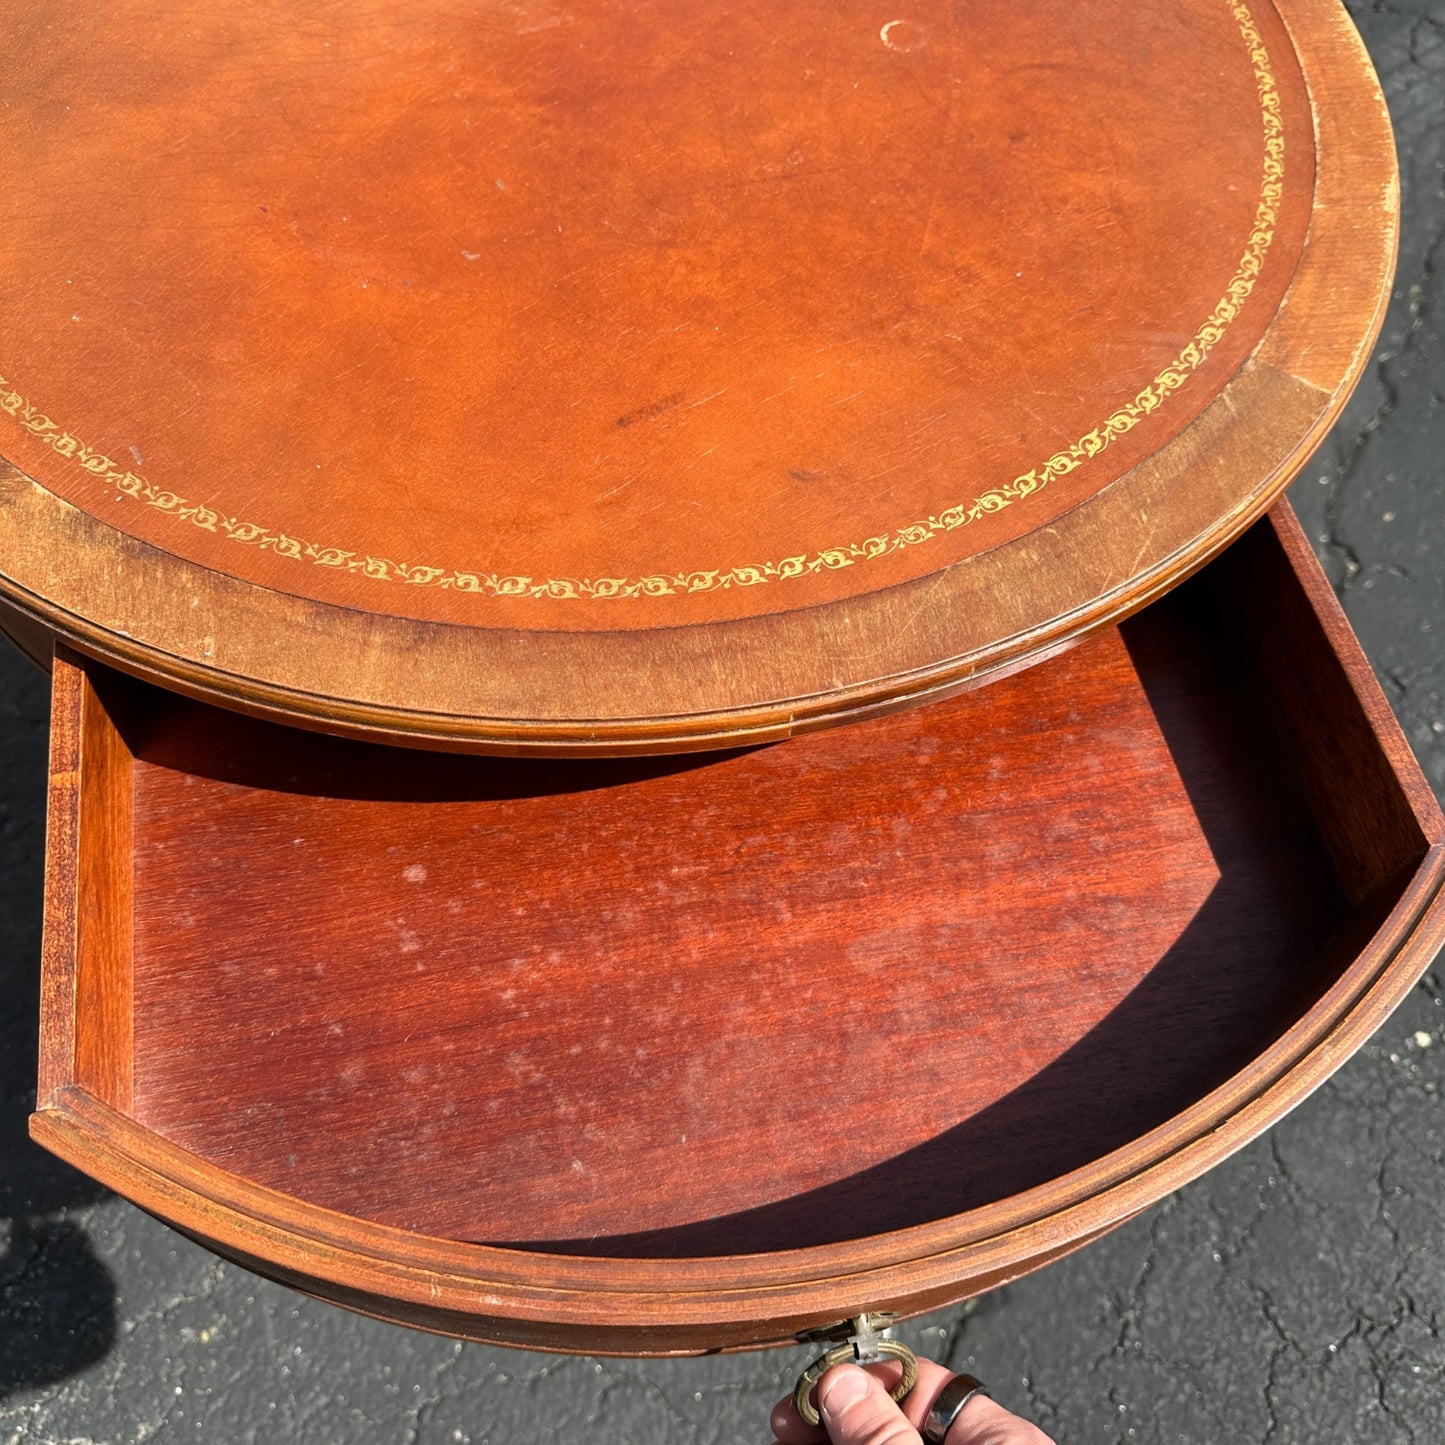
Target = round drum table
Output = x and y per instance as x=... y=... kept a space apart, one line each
x=461 y=462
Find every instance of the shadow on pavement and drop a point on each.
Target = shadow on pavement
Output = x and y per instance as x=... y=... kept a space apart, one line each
x=57 y=1298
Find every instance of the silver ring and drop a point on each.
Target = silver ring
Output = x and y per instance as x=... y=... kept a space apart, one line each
x=949 y=1406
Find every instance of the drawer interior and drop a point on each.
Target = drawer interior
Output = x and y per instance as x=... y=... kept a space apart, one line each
x=745 y=1002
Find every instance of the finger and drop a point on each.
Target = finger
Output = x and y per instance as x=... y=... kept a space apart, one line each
x=984 y=1422
x=789 y=1429
x=919 y=1400
x=981 y=1422
x=858 y=1411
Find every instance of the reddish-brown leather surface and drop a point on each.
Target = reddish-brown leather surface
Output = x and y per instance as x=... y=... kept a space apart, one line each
x=618 y=290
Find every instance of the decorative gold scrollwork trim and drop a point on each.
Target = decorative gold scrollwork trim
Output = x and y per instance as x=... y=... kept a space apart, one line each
x=709 y=579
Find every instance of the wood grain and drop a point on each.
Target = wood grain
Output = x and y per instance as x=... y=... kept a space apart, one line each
x=1015 y=970
x=31 y=638
x=1331 y=710
x=594 y=1035
x=578 y=369
x=89 y=928
x=207 y=610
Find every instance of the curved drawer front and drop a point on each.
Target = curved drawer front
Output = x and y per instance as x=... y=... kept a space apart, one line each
x=666 y=1054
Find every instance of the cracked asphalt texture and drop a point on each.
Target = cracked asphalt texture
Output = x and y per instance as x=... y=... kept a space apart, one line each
x=1296 y=1295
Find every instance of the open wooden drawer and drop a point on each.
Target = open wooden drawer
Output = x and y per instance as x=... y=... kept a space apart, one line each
x=679 y=1054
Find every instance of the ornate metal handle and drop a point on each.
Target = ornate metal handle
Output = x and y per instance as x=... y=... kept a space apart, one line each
x=861 y=1341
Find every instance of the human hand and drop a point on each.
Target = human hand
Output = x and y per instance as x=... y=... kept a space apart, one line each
x=857 y=1410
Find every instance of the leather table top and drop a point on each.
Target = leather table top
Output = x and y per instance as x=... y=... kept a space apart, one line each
x=629 y=375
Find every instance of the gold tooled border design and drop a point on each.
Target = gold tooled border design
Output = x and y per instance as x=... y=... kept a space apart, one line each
x=1124 y=419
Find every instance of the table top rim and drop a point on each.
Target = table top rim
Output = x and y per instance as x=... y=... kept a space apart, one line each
x=704 y=684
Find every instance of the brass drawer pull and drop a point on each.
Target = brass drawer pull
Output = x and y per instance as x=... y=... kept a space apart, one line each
x=861 y=1340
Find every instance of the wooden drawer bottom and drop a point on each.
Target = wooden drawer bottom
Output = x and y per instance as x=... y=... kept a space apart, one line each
x=692 y=1053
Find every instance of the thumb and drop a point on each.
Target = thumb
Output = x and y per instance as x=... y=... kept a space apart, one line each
x=857 y=1410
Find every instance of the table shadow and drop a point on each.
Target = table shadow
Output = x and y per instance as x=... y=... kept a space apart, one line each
x=57 y=1297
x=1256 y=953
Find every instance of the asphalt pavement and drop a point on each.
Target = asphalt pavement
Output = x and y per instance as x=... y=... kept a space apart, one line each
x=1295 y=1295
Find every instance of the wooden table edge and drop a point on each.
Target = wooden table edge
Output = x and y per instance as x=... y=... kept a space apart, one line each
x=768 y=677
